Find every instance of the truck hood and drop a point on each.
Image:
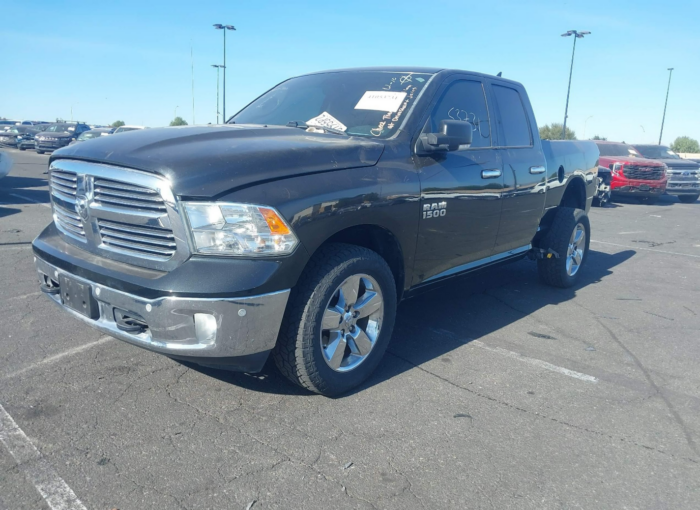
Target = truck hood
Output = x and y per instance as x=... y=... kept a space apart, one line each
x=684 y=164
x=208 y=161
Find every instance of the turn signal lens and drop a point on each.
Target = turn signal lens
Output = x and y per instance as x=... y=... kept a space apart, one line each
x=276 y=224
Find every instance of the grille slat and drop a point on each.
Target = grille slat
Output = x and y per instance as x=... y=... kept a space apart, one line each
x=124 y=227
x=138 y=247
x=112 y=193
x=156 y=241
x=69 y=221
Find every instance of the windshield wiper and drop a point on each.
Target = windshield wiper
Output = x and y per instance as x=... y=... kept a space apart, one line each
x=304 y=125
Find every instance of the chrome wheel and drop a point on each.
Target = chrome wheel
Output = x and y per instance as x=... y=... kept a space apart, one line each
x=351 y=322
x=575 y=251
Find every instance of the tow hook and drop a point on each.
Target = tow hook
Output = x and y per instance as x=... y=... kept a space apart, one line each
x=540 y=253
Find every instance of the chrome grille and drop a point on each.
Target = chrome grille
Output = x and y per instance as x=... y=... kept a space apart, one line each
x=69 y=221
x=140 y=240
x=63 y=184
x=118 y=213
x=112 y=193
x=646 y=173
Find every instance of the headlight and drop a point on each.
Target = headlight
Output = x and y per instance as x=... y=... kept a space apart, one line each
x=238 y=229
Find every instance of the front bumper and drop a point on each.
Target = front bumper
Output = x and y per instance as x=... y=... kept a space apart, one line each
x=234 y=332
x=683 y=186
x=51 y=145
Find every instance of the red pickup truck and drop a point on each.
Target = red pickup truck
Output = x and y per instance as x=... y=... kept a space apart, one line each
x=629 y=174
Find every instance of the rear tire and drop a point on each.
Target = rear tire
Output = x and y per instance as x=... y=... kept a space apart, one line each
x=328 y=351
x=39 y=152
x=688 y=199
x=569 y=236
x=21 y=148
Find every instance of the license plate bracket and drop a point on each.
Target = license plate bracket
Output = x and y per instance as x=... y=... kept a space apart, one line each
x=644 y=187
x=78 y=297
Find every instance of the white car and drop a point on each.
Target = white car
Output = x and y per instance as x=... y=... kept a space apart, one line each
x=124 y=129
x=5 y=164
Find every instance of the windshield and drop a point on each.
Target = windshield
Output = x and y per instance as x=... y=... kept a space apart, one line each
x=617 y=150
x=60 y=128
x=89 y=134
x=363 y=103
x=125 y=129
x=657 y=152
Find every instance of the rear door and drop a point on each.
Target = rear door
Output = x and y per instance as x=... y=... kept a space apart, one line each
x=524 y=168
x=460 y=190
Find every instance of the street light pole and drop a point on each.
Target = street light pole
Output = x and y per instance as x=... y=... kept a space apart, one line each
x=663 y=119
x=585 y=124
x=219 y=26
x=176 y=112
x=577 y=35
x=217 y=90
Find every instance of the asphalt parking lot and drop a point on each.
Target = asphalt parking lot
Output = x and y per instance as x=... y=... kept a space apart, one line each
x=497 y=392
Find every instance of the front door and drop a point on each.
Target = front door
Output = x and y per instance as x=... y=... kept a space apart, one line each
x=460 y=190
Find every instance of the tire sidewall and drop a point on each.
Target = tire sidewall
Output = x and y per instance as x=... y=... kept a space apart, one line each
x=579 y=216
x=339 y=382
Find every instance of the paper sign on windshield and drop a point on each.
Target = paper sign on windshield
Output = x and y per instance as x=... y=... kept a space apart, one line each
x=326 y=120
x=380 y=100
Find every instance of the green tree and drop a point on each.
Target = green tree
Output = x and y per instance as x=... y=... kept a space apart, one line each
x=685 y=144
x=118 y=123
x=178 y=121
x=596 y=137
x=553 y=132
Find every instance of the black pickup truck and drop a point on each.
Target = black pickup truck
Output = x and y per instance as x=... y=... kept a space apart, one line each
x=297 y=227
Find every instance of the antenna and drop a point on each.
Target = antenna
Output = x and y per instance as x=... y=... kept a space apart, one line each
x=499 y=74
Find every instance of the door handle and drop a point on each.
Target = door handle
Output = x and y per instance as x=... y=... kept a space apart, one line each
x=490 y=174
x=537 y=169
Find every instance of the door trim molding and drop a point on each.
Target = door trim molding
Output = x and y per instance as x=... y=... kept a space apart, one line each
x=479 y=263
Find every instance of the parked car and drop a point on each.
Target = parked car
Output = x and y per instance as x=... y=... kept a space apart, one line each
x=683 y=174
x=93 y=133
x=8 y=123
x=124 y=129
x=629 y=173
x=58 y=135
x=296 y=229
x=14 y=136
x=28 y=142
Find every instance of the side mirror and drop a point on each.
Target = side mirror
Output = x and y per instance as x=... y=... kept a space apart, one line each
x=450 y=136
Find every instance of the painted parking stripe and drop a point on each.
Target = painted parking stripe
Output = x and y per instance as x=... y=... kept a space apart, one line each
x=536 y=362
x=55 y=491
x=57 y=357
x=30 y=199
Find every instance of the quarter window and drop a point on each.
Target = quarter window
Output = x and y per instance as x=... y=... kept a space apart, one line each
x=465 y=100
x=512 y=117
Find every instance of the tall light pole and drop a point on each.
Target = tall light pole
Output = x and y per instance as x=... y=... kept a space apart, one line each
x=217 y=90
x=670 y=72
x=219 y=26
x=176 y=112
x=577 y=35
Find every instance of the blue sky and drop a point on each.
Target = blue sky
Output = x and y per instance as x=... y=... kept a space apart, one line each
x=130 y=60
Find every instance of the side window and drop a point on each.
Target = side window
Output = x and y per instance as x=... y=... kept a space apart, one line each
x=512 y=117
x=465 y=100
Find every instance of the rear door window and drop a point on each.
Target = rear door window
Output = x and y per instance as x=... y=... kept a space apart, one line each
x=512 y=117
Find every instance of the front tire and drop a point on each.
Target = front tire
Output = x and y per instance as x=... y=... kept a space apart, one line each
x=339 y=320
x=688 y=199
x=569 y=236
x=39 y=152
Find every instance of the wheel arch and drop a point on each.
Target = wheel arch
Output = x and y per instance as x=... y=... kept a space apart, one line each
x=378 y=239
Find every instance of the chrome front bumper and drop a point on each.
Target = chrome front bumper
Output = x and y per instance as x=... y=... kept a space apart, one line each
x=205 y=329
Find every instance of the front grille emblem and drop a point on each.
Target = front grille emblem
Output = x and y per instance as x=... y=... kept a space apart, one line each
x=84 y=193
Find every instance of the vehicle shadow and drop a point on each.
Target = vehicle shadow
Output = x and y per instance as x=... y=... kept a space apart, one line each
x=21 y=191
x=433 y=324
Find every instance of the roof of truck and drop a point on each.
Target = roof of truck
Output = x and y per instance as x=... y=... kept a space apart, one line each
x=409 y=69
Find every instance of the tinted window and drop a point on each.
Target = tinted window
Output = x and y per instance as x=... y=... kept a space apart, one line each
x=464 y=100
x=617 y=150
x=657 y=152
x=513 y=119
